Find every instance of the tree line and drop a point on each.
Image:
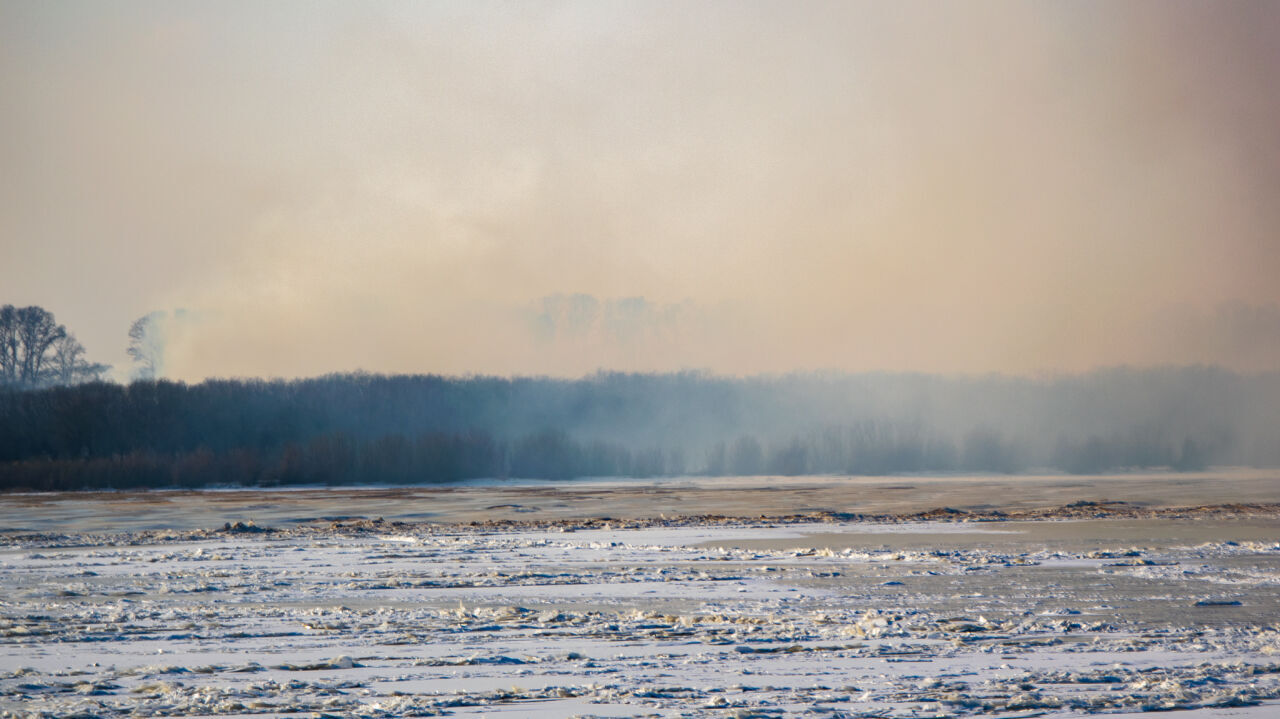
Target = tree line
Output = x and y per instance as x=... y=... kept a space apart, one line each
x=363 y=428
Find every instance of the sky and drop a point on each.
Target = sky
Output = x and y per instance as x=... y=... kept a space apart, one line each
x=559 y=187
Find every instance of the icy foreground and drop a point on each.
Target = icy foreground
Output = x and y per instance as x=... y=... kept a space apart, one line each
x=917 y=619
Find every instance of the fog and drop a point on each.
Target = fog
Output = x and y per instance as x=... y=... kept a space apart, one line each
x=743 y=187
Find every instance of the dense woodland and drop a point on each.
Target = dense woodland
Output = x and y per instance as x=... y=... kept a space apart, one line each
x=362 y=428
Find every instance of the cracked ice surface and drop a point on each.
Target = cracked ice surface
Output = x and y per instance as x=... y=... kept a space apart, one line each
x=1003 y=619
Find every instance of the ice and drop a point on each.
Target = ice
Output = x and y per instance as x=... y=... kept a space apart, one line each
x=698 y=620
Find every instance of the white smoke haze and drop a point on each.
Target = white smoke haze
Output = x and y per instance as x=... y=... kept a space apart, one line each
x=939 y=187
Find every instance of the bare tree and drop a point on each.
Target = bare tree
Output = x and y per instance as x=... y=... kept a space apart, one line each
x=37 y=332
x=146 y=345
x=68 y=365
x=27 y=334
x=8 y=346
x=36 y=351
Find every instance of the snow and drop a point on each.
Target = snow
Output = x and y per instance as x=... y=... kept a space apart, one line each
x=689 y=621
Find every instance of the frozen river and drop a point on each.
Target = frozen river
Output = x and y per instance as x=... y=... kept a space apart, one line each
x=832 y=618
x=516 y=501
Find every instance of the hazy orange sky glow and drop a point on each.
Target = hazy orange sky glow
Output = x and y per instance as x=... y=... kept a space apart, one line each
x=556 y=187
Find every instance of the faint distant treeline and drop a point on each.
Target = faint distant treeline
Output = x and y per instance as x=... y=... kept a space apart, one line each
x=363 y=428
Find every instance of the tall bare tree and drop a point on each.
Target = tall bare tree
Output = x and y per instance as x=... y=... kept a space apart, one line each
x=146 y=344
x=37 y=331
x=8 y=346
x=27 y=335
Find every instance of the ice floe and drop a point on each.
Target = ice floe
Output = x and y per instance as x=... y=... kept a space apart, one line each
x=690 y=621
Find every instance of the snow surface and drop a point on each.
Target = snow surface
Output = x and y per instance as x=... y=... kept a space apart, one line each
x=691 y=621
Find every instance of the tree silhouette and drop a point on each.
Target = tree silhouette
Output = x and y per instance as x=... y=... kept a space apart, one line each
x=146 y=346
x=36 y=351
x=27 y=335
x=68 y=365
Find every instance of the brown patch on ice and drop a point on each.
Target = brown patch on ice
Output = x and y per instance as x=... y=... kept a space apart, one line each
x=353 y=527
x=617 y=503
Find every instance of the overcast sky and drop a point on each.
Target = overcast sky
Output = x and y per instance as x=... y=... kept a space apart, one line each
x=541 y=187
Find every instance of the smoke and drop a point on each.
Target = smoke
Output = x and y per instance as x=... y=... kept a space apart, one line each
x=581 y=332
x=1243 y=335
x=374 y=428
x=155 y=337
x=938 y=187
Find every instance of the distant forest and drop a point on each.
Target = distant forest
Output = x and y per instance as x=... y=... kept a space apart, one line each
x=362 y=428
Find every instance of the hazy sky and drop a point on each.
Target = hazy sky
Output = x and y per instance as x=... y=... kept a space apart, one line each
x=541 y=187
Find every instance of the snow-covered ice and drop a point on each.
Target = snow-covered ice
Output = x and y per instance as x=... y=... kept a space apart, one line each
x=1005 y=619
